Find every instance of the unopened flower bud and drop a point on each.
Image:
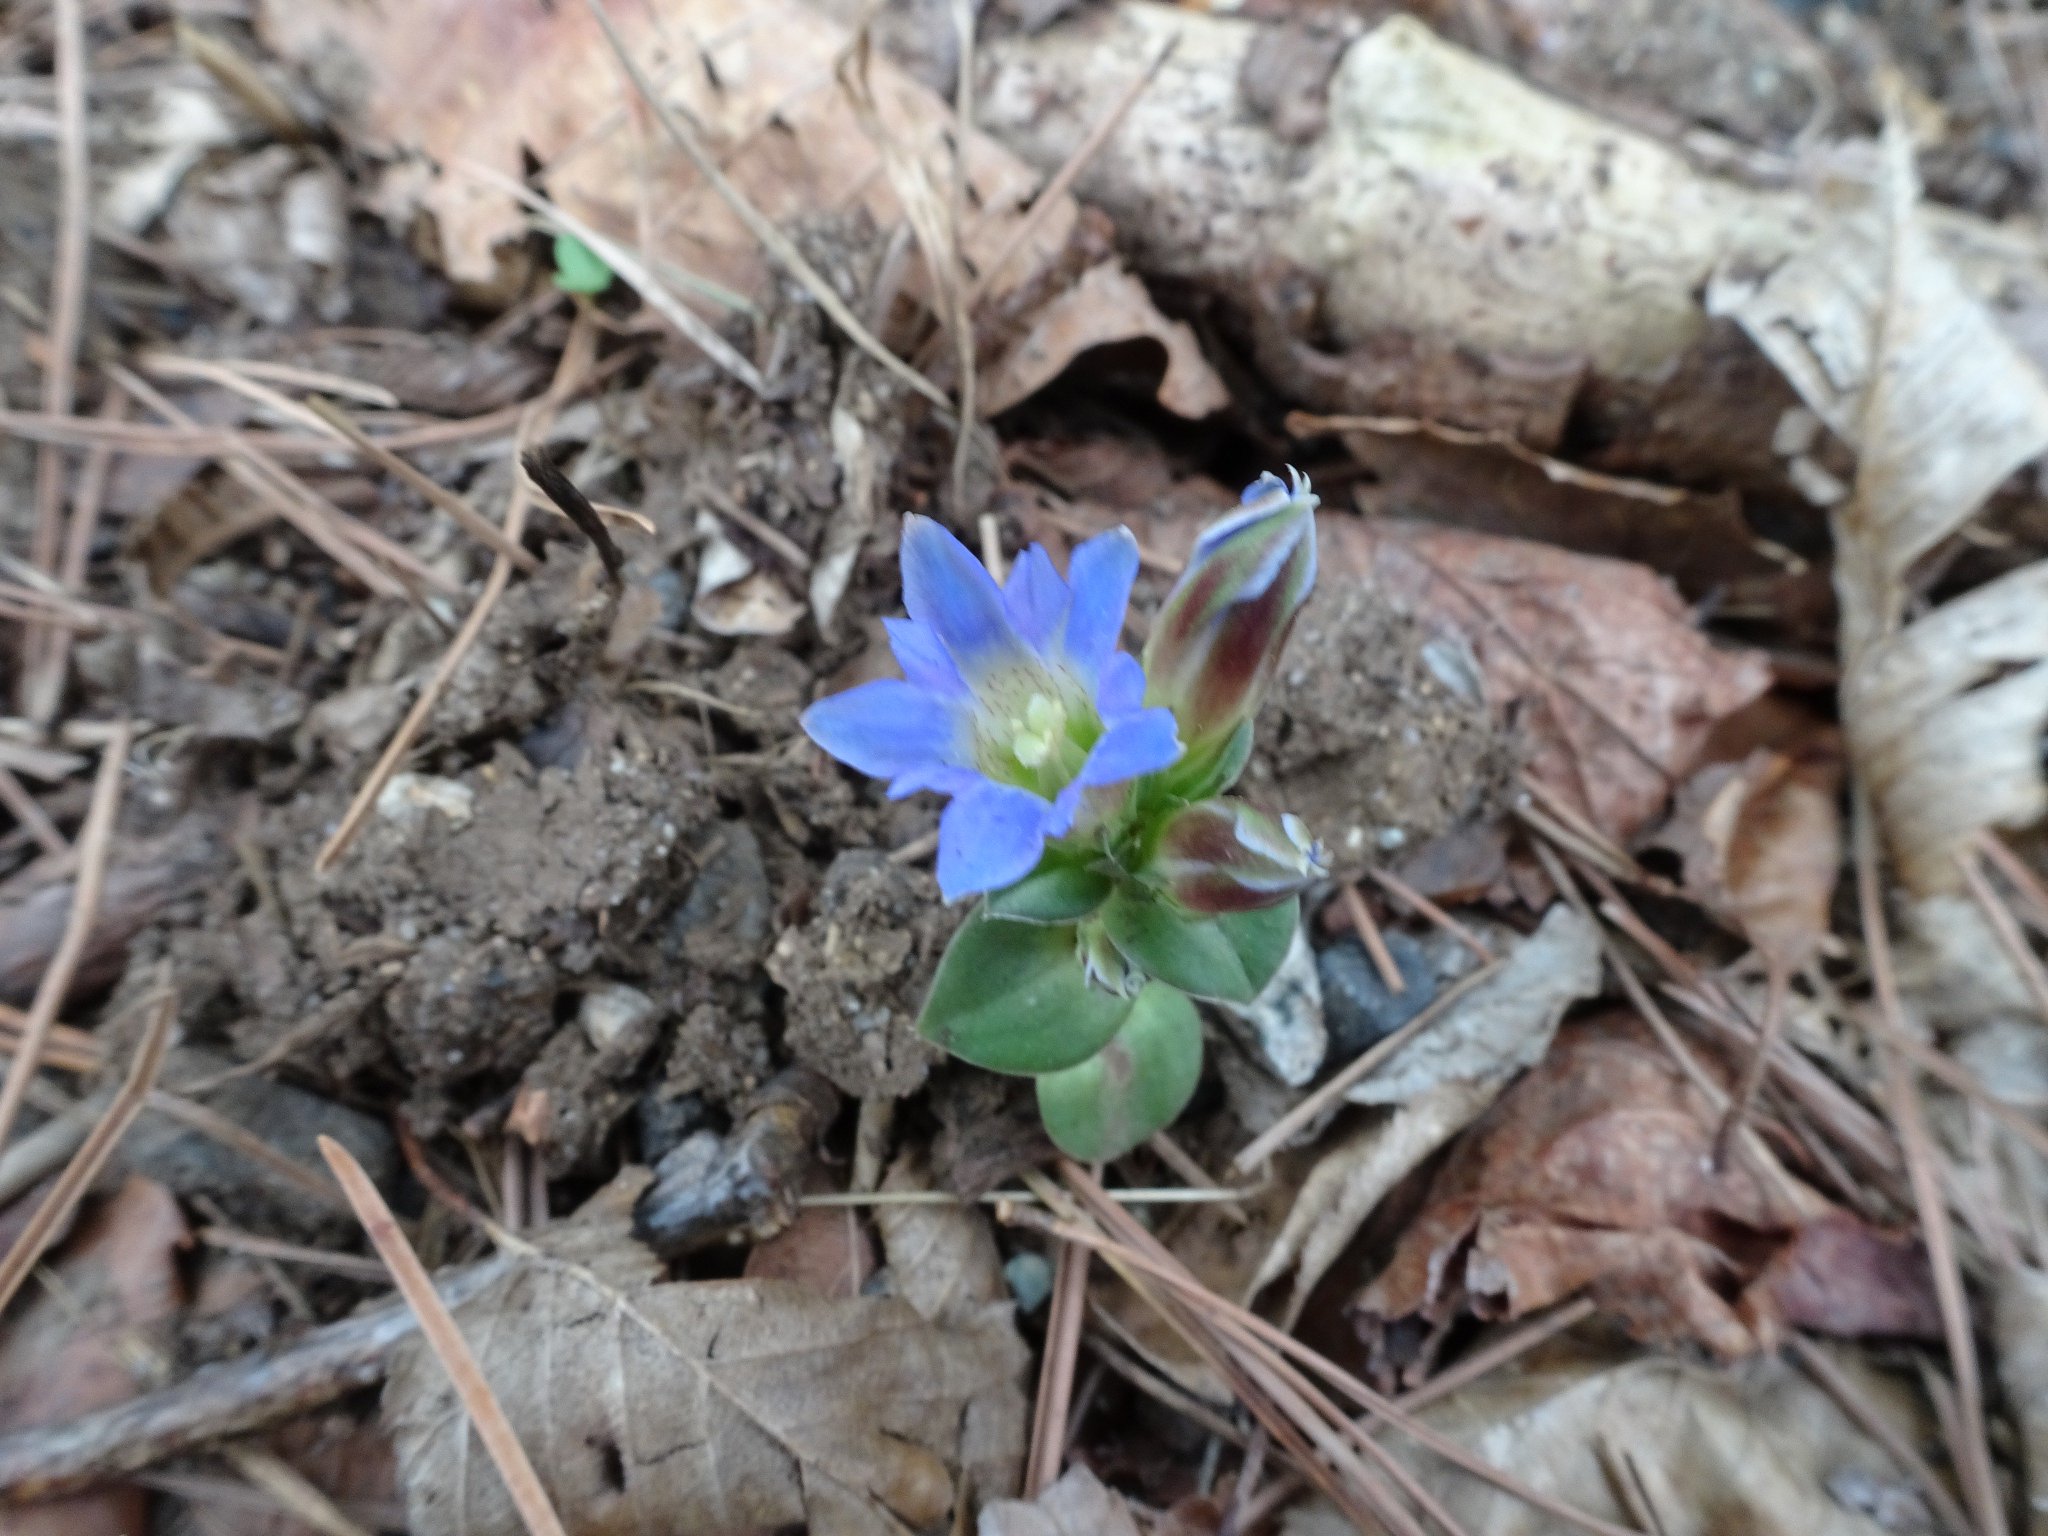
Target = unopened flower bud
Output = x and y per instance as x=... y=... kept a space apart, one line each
x=1223 y=855
x=1220 y=633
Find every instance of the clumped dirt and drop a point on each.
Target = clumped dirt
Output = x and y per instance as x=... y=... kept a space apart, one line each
x=856 y=973
x=1375 y=735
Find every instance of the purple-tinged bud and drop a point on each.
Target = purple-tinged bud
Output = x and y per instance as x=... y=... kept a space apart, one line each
x=1223 y=855
x=1219 y=635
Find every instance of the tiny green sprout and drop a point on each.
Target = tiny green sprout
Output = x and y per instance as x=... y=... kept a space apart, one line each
x=579 y=269
x=1116 y=879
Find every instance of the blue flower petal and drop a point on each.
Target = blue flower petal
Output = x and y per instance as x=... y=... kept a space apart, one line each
x=1066 y=805
x=1035 y=598
x=990 y=837
x=1122 y=688
x=1100 y=574
x=945 y=778
x=946 y=588
x=923 y=658
x=1133 y=746
x=887 y=727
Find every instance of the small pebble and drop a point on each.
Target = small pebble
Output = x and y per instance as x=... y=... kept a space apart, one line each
x=1358 y=1010
x=1030 y=1278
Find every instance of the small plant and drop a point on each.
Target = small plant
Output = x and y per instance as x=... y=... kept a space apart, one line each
x=579 y=269
x=1088 y=807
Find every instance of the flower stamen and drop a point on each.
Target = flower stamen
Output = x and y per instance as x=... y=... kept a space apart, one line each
x=1038 y=734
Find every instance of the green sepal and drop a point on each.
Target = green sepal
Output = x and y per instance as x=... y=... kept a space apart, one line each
x=1133 y=1086
x=1210 y=771
x=1261 y=938
x=579 y=269
x=1195 y=954
x=1012 y=997
x=1053 y=893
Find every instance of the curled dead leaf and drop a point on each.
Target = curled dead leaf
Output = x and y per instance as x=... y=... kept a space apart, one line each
x=1594 y=1173
x=1761 y=843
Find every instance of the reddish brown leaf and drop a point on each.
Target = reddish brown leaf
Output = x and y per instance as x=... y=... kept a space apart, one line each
x=1614 y=689
x=1762 y=844
x=1594 y=1173
x=120 y=1268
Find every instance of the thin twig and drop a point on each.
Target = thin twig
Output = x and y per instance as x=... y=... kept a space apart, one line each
x=67 y=297
x=568 y=376
x=438 y=1328
x=1212 y=1194
x=1267 y=1142
x=1767 y=1036
x=2023 y=879
x=95 y=842
x=1368 y=933
x=1138 y=1250
x=34 y=820
x=1972 y=1451
x=2006 y=929
x=1056 y=1370
x=1428 y=910
x=45 y=682
x=1304 y=424
x=758 y=224
x=85 y=1164
x=430 y=693
x=344 y=539
x=961 y=318
x=645 y=282
x=471 y=521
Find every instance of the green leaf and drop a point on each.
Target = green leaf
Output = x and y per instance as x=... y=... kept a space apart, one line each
x=1191 y=953
x=1261 y=938
x=1012 y=997
x=579 y=269
x=1133 y=1086
x=1053 y=893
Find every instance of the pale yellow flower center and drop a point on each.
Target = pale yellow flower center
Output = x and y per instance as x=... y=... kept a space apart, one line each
x=1037 y=735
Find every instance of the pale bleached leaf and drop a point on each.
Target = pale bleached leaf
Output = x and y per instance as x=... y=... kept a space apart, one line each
x=1076 y=1505
x=714 y=1405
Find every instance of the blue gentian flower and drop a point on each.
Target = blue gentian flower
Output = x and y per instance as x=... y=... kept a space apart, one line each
x=1014 y=700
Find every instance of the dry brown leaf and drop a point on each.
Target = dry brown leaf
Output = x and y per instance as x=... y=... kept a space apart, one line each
x=716 y=1405
x=1878 y=332
x=486 y=83
x=1614 y=689
x=1594 y=1172
x=1076 y=1505
x=1438 y=1084
x=943 y=1258
x=121 y=1268
x=1761 y=843
x=1759 y=1450
x=943 y=1261
x=825 y=1250
x=1106 y=305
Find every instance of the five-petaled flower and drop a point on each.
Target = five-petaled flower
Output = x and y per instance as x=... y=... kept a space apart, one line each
x=1014 y=700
